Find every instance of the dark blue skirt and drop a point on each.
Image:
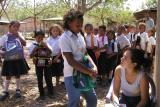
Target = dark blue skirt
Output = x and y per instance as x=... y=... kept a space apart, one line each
x=57 y=68
x=15 y=67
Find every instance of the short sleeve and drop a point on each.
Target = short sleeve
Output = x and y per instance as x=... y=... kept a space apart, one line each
x=153 y=41
x=3 y=39
x=65 y=44
x=30 y=48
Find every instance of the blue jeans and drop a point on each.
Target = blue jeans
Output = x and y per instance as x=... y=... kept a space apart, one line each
x=74 y=95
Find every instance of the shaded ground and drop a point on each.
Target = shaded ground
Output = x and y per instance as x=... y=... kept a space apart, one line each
x=30 y=93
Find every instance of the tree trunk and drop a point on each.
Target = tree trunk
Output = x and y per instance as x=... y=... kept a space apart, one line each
x=157 y=57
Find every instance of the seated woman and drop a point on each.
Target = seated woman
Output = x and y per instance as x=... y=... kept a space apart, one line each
x=131 y=79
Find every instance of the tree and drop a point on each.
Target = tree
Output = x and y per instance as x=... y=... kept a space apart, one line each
x=4 y=5
x=151 y=3
x=110 y=12
x=157 y=58
x=83 y=5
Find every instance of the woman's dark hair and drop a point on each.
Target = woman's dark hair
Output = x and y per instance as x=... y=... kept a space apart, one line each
x=71 y=16
x=88 y=25
x=14 y=22
x=39 y=33
x=138 y=57
x=102 y=27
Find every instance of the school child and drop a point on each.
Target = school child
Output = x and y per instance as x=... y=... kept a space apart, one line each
x=151 y=44
x=112 y=53
x=142 y=37
x=122 y=41
x=102 y=46
x=14 y=63
x=57 y=61
x=91 y=42
x=40 y=53
x=132 y=34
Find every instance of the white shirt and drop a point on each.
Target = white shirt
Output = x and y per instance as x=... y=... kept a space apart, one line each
x=144 y=39
x=32 y=46
x=149 y=24
x=102 y=41
x=151 y=42
x=88 y=41
x=123 y=41
x=54 y=44
x=69 y=42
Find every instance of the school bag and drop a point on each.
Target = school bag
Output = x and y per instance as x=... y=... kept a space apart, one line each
x=83 y=81
x=42 y=56
x=13 y=48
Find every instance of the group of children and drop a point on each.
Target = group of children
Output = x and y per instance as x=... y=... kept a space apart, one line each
x=104 y=47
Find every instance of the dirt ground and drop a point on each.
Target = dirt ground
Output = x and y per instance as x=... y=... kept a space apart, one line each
x=30 y=93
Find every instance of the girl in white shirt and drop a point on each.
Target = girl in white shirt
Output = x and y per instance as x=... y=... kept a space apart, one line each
x=91 y=41
x=57 y=60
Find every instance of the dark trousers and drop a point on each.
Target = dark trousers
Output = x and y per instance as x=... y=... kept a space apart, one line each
x=40 y=71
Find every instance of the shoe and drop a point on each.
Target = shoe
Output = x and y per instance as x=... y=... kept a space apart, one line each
x=41 y=97
x=18 y=94
x=51 y=96
x=4 y=96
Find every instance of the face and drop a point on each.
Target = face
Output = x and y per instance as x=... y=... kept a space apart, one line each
x=150 y=33
x=88 y=29
x=55 y=32
x=39 y=38
x=14 y=28
x=132 y=29
x=101 y=32
x=142 y=29
x=76 y=25
x=95 y=31
x=110 y=36
x=126 y=59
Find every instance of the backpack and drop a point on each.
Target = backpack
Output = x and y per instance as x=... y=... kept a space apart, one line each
x=42 y=56
x=83 y=81
x=13 y=48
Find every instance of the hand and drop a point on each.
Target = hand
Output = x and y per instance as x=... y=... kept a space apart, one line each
x=93 y=74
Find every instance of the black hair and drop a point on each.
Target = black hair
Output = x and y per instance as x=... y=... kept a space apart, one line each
x=88 y=25
x=102 y=27
x=39 y=33
x=71 y=16
x=138 y=57
x=14 y=22
x=113 y=33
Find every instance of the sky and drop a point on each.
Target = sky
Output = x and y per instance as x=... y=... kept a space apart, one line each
x=135 y=5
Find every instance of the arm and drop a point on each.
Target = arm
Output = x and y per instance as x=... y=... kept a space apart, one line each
x=116 y=84
x=22 y=39
x=144 y=88
x=75 y=64
x=91 y=61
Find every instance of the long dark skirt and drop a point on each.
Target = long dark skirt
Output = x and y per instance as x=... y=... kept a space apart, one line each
x=102 y=70
x=57 y=68
x=15 y=67
x=92 y=55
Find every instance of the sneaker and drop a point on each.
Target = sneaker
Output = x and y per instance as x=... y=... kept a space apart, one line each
x=4 y=96
x=18 y=94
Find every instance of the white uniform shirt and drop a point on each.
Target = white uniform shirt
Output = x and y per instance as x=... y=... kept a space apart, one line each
x=54 y=44
x=144 y=39
x=69 y=42
x=123 y=41
x=151 y=42
x=102 y=41
x=88 y=40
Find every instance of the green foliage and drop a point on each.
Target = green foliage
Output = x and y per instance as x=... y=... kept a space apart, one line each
x=110 y=13
x=152 y=3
